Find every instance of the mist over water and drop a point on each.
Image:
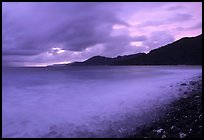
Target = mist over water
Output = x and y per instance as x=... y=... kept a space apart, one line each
x=86 y=101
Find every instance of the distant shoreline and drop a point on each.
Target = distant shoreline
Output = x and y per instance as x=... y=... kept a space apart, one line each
x=50 y=66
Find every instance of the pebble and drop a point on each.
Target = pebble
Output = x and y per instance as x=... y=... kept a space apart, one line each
x=163 y=136
x=52 y=133
x=154 y=131
x=192 y=83
x=182 y=135
x=185 y=92
x=172 y=127
x=121 y=130
x=197 y=96
x=52 y=127
x=160 y=130
x=200 y=116
x=183 y=84
x=182 y=130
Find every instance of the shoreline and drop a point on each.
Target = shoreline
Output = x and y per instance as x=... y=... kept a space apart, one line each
x=183 y=118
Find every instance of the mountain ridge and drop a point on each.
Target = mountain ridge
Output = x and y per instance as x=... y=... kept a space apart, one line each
x=185 y=51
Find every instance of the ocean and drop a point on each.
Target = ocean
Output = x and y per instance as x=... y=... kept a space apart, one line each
x=87 y=101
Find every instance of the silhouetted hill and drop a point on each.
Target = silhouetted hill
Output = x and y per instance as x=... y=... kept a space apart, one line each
x=186 y=51
x=96 y=60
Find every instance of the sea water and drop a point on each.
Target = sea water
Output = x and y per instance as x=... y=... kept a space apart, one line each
x=86 y=101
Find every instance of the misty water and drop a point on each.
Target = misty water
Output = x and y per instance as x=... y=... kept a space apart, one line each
x=100 y=101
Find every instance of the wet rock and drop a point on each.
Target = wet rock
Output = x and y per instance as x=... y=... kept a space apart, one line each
x=53 y=132
x=175 y=130
x=185 y=92
x=154 y=131
x=190 y=130
x=197 y=96
x=192 y=83
x=173 y=127
x=52 y=127
x=163 y=136
x=183 y=84
x=160 y=130
x=183 y=118
x=182 y=135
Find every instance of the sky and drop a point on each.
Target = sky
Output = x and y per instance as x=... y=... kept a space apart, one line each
x=46 y=33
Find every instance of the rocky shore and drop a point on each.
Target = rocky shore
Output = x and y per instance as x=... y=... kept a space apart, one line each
x=183 y=118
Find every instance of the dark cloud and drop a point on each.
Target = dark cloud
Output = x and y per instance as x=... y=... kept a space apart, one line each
x=31 y=30
x=139 y=38
x=75 y=25
x=159 y=38
x=196 y=26
x=193 y=27
x=178 y=17
x=173 y=8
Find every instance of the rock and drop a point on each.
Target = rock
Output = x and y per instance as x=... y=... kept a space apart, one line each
x=190 y=130
x=183 y=84
x=192 y=83
x=197 y=96
x=52 y=127
x=164 y=132
x=173 y=127
x=183 y=118
x=154 y=131
x=182 y=135
x=163 y=136
x=52 y=133
x=120 y=131
x=160 y=130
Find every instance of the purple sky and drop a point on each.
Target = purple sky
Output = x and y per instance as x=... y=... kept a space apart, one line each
x=38 y=34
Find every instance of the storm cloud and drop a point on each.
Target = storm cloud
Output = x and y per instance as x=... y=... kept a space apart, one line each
x=61 y=32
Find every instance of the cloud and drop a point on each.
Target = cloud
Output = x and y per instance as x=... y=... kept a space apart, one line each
x=196 y=26
x=76 y=26
x=189 y=28
x=80 y=30
x=178 y=17
x=159 y=38
x=175 y=7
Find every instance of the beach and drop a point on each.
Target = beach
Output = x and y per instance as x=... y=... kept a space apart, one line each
x=183 y=117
